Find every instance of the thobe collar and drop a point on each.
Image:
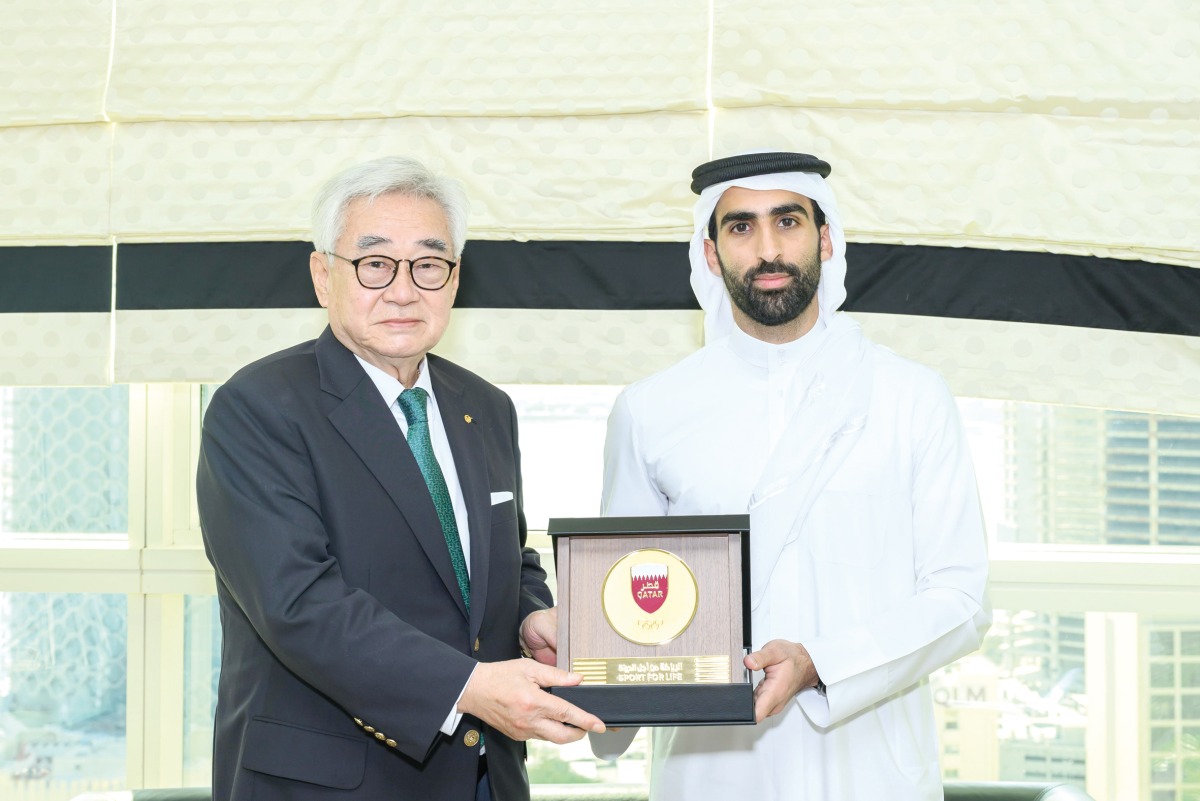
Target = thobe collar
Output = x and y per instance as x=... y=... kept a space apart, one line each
x=767 y=355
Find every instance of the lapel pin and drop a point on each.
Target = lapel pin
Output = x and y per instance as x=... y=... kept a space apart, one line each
x=467 y=417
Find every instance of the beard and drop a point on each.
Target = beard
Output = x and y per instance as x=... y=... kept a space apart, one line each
x=772 y=307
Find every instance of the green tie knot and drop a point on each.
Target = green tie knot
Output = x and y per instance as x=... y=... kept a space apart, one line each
x=412 y=403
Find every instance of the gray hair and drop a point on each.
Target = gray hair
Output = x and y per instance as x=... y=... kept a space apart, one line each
x=389 y=175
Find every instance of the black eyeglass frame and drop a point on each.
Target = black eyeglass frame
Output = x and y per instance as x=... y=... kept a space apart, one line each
x=396 y=270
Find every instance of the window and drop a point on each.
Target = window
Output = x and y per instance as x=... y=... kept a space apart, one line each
x=201 y=669
x=562 y=441
x=1174 y=758
x=1085 y=476
x=64 y=463
x=62 y=692
x=1093 y=561
x=1018 y=703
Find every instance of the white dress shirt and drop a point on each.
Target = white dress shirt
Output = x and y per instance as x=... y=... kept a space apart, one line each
x=390 y=388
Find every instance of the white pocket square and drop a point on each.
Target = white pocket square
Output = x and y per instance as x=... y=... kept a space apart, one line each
x=501 y=497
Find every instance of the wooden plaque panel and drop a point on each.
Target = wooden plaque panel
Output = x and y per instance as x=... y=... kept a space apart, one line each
x=716 y=628
x=695 y=679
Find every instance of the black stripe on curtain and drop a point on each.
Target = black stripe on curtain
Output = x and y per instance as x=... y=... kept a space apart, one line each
x=967 y=283
x=496 y=275
x=976 y=284
x=214 y=275
x=58 y=278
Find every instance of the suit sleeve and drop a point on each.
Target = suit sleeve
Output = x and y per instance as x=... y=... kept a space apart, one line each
x=947 y=615
x=260 y=513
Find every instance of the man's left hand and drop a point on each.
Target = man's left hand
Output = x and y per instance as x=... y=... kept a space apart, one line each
x=539 y=635
x=788 y=669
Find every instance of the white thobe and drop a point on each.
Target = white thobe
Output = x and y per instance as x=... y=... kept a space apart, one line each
x=883 y=582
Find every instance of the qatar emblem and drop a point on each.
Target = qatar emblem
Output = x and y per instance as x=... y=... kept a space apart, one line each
x=649 y=596
x=648 y=583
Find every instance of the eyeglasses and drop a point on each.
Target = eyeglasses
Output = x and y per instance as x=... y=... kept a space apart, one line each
x=377 y=272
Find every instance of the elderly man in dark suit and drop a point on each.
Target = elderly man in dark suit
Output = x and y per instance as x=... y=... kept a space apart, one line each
x=360 y=500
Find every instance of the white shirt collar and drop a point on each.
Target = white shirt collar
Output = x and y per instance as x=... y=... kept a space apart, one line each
x=389 y=386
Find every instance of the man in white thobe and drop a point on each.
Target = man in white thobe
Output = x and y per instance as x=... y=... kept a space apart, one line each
x=868 y=553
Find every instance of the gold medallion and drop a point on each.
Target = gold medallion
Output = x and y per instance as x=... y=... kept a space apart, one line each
x=649 y=596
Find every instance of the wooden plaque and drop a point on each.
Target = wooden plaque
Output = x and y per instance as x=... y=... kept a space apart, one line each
x=654 y=613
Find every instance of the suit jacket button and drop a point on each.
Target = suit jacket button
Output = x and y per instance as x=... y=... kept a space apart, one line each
x=476 y=644
x=390 y=743
x=369 y=729
x=471 y=738
x=380 y=736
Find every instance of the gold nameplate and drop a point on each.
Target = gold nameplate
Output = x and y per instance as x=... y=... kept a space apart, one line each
x=654 y=670
x=649 y=596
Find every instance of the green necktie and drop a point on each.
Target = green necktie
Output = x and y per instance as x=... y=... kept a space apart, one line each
x=412 y=403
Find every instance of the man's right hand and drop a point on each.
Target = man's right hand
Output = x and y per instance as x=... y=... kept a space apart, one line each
x=509 y=696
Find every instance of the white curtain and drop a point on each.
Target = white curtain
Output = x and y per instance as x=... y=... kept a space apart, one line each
x=1024 y=126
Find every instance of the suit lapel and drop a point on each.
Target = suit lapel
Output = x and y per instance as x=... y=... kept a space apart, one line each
x=370 y=429
x=470 y=460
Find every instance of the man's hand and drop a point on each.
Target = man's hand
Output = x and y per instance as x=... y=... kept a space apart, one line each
x=539 y=635
x=509 y=696
x=788 y=670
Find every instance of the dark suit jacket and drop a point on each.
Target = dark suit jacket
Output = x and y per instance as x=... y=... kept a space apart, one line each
x=346 y=641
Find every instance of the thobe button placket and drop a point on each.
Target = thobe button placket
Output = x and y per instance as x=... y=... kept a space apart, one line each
x=777 y=382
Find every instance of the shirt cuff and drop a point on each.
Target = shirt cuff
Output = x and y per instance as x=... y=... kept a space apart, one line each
x=455 y=717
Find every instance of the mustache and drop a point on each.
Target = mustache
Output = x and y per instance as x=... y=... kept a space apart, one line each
x=775 y=267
